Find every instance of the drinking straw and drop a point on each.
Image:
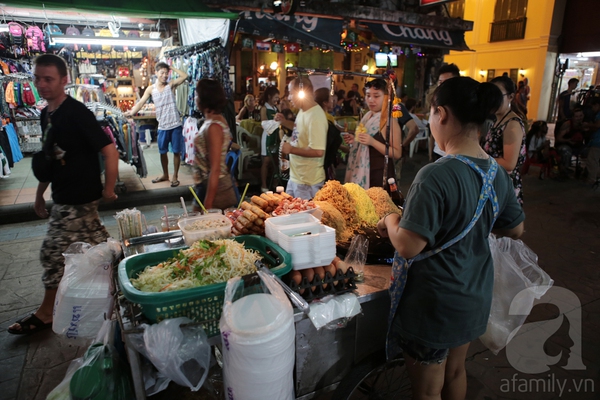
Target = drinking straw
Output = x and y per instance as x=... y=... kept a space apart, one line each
x=198 y=200
x=185 y=213
x=243 y=195
x=166 y=217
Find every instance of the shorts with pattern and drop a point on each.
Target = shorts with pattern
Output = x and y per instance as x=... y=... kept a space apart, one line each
x=68 y=224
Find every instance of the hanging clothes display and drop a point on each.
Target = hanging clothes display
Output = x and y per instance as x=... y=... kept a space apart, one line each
x=4 y=168
x=204 y=60
x=122 y=132
x=20 y=101
x=85 y=93
x=190 y=130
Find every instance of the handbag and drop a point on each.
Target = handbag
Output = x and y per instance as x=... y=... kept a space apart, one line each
x=401 y=265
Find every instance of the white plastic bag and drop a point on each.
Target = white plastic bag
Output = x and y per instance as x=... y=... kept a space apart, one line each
x=84 y=294
x=258 y=335
x=270 y=126
x=329 y=310
x=180 y=353
x=515 y=269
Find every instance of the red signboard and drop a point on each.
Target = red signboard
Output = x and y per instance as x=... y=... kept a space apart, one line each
x=432 y=2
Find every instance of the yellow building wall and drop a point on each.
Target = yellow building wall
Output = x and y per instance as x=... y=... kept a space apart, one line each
x=530 y=54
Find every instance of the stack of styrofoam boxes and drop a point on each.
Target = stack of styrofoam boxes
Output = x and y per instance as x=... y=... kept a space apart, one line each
x=310 y=243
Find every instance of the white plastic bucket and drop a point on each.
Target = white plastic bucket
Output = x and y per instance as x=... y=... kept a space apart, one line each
x=259 y=351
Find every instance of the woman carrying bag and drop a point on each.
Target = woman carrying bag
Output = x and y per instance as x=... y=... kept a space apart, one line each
x=443 y=270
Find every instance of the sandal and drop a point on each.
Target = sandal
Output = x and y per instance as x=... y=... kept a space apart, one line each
x=174 y=183
x=159 y=179
x=27 y=322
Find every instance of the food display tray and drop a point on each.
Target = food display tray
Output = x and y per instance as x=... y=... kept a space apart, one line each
x=200 y=304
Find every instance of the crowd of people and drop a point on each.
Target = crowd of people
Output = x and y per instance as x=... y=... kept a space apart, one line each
x=473 y=188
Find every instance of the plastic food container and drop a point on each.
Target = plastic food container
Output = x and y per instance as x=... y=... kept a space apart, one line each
x=200 y=304
x=310 y=246
x=275 y=224
x=192 y=235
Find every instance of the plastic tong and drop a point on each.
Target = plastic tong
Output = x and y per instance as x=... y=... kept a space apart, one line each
x=295 y=298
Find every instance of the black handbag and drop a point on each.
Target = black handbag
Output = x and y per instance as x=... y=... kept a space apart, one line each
x=41 y=164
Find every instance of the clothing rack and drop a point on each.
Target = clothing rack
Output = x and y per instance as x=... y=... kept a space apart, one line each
x=197 y=47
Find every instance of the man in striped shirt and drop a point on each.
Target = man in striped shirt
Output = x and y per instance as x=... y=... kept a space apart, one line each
x=168 y=117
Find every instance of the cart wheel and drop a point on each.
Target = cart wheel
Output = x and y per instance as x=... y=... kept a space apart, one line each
x=375 y=378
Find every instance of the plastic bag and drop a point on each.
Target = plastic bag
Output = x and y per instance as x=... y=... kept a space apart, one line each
x=331 y=309
x=62 y=392
x=270 y=126
x=154 y=380
x=357 y=255
x=515 y=269
x=102 y=375
x=84 y=294
x=180 y=353
x=258 y=334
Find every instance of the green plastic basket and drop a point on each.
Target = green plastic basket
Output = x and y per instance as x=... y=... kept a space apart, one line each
x=201 y=304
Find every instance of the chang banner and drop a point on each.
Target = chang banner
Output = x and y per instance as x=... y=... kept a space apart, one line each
x=302 y=29
x=424 y=36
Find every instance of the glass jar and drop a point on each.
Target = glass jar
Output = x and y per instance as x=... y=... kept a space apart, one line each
x=172 y=223
x=214 y=211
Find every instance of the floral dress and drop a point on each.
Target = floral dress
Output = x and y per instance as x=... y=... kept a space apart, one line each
x=359 y=164
x=494 y=146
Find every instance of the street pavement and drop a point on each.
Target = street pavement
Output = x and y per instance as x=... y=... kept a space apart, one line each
x=562 y=227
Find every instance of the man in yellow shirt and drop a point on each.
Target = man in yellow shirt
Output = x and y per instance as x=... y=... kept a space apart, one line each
x=309 y=139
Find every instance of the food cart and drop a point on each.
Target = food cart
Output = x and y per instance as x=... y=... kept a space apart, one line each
x=325 y=357
x=348 y=359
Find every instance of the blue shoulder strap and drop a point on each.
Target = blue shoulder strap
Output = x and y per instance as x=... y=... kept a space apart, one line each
x=487 y=192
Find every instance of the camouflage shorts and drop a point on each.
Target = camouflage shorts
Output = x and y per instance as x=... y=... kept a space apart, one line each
x=68 y=224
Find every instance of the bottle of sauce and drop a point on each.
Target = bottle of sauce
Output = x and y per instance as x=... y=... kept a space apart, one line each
x=284 y=160
x=395 y=192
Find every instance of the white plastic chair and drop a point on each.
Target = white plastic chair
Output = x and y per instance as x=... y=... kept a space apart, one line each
x=414 y=145
x=245 y=150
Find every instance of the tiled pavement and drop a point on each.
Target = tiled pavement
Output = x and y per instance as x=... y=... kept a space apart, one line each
x=562 y=225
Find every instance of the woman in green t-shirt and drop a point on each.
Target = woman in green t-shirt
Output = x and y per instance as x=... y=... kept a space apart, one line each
x=446 y=301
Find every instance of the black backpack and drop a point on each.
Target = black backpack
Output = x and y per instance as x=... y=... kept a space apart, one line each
x=334 y=140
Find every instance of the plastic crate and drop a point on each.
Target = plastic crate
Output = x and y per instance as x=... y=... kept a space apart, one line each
x=200 y=304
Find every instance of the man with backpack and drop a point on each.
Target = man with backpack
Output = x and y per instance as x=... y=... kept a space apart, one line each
x=169 y=120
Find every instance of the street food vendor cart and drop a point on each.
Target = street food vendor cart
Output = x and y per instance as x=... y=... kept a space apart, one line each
x=349 y=359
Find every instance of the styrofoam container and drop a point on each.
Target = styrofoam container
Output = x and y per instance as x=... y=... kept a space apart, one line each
x=274 y=224
x=308 y=251
x=190 y=236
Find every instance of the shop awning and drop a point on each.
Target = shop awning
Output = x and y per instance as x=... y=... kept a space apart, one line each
x=425 y=36
x=140 y=8
x=318 y=32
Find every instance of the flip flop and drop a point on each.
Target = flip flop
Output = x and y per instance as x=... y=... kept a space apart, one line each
x=174 y=183
x=159 y=179
x=27 y=322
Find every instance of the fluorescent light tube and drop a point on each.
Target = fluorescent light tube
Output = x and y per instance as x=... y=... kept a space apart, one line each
x=110 y=41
